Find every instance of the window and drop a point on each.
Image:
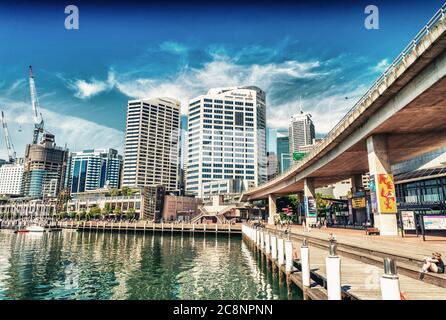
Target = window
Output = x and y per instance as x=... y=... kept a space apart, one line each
x=239 y=118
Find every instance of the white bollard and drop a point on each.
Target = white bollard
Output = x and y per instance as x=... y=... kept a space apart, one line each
x=289 y=255
x=305 y=263
x=262 y=239
x=280 y=253
x=267 y=244
x=333 y=269
x=274 y=247
x=390 y=285
x=258 y=239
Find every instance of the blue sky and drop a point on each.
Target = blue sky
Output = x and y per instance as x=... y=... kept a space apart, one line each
x=319 y=50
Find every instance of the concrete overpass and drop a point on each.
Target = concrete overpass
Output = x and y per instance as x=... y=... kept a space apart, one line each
x=401 y=116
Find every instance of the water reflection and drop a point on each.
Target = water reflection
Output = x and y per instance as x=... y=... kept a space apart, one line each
x=96 y=265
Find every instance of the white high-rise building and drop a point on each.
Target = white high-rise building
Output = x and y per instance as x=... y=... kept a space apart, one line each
x=227 y=137
x=301 y=131
x=151 y=143
x=11 y=178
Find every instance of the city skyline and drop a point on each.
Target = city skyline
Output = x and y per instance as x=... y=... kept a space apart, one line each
x=84 y=91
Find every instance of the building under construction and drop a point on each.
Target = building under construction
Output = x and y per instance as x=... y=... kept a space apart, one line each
x=45 y=163
x=45 y=166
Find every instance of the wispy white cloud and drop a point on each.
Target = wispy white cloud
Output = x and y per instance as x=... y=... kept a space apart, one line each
x=381 y=66
x=173 y=47
x=77 y=133
x=190 y=82
x=85 y=89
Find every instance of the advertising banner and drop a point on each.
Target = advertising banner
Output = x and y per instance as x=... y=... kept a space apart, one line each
x=358 y=203
x=310 y=207
x=408 y=218
x=373 y=197
x=434 y=222
x=386 y=193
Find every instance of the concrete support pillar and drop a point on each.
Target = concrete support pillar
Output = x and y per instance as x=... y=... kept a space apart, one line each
x=382 y=188
x=272 y=208
x=310 y=201
x=356 y=181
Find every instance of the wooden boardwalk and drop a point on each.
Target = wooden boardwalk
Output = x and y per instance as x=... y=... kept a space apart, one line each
x=143 y=226
x=359 y=279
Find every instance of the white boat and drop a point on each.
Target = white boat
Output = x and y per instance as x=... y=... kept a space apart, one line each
x=35 y=229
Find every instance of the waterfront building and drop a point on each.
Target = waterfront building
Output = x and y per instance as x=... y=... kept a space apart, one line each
x=227 y=137
x=151 y=143
x=301 y=131
x=420 y=183
x=225 y=187
x=11 y=178
x=283 y=151
x=94 y=169
x=44 y=168
x=28 y=208
x=180 y=208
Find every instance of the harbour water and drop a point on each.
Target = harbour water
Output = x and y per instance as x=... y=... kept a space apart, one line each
x=97 y=265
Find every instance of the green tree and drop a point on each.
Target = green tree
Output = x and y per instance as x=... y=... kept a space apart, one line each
x=130 y=213
x=115 y=192
x=126 y=191
x=322 y=203
x=107 y=209
x=95 y=212
x=117 y=212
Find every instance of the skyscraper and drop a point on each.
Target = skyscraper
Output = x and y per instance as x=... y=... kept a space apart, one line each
x=44 y=168
x=151 y=143
x=283 y=151
x=227 y=137
x=94 y=169
x=301 y=131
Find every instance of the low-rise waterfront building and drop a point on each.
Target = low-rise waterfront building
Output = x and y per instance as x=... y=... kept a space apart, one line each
x=180 y=208
x=27 y=208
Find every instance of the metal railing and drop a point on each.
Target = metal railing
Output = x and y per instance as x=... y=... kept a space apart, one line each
x=433 y=22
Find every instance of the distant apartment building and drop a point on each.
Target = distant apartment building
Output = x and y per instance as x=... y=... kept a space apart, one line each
x=227 y=137
x=301 y=131
x=44 y=168
x=283 y=152
x=94 y=169
x=151 y=143
x=272 y=165
x=11 y=178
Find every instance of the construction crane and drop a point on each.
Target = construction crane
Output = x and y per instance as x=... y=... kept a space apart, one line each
x=38 y=122
x=9 y=145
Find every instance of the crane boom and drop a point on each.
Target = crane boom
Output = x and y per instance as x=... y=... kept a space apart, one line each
x=9 y=145
x=38 y=123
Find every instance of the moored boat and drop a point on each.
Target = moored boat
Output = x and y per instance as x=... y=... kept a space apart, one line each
x=35 y=228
